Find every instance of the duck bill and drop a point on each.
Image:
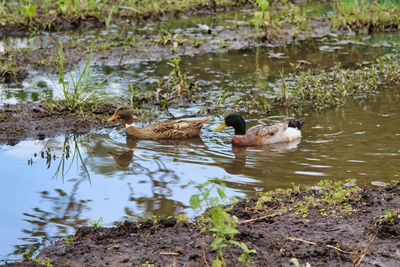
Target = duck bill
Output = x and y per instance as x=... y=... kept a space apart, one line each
x=114 y=117
x=220 y=127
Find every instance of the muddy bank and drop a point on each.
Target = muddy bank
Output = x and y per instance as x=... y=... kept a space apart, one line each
x=355 y=234
x=128 y=48
x=22 y=121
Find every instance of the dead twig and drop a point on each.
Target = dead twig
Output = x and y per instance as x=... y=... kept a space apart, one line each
x=314 y=244
x=340 y=259
x=360 y=258
x=169 y=253
x=262 y=217
x=204 y=255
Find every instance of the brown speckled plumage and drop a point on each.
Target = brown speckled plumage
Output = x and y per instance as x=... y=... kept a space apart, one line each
x=171 y=129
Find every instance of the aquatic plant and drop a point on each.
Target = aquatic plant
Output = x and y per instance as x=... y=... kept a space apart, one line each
x=167 y=37
x=367 y=15
x=322 y=88
x=218 y=221
x=177 y=85
x=271 y=16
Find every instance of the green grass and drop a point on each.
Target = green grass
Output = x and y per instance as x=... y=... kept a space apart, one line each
x=330 y=197
x=80 y=90
x=43 y=14
x=366 y=14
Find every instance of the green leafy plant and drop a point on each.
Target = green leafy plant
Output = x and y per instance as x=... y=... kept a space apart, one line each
x=218 y=221
x=388 y=217
x=69 y=240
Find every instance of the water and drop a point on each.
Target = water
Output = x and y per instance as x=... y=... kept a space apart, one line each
x=360 y=140
x=248 y=68
x=107 y=176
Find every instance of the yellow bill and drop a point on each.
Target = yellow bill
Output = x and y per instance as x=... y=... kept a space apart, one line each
x=114 y=117
x=220 y=127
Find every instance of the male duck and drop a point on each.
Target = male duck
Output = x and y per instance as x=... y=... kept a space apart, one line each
x=172 y=129
x=286 y=131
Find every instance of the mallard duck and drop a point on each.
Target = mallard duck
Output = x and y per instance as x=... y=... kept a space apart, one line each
x=285 y=131
x=171 y=129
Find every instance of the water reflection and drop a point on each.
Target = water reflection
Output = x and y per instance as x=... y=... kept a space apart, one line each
x=238 y=163
x=59 y=212
x=124 y=159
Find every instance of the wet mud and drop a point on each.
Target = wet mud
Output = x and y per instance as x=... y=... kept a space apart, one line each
x=30 y=121
x=361 y=238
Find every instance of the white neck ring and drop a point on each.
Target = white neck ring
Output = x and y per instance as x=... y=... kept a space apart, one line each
x=130 y=125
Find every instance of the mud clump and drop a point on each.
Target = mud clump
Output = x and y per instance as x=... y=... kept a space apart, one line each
x=25 y=121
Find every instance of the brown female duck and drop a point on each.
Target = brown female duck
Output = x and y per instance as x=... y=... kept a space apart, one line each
x=171 y=129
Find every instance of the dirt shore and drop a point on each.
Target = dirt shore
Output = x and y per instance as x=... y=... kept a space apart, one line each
x=23 y=121
x=363 y=237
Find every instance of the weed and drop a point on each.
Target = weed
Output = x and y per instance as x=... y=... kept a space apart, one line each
x=43 y=262
x=177 y=84
x=323 y=88
x=219 y=221
x=27 y=255
x=69 y=240
x=367 y=15
x=222 y=44
x=166 y=37
x=297 y=264
x=388 y=217
x=97 y=224
x=81 y=90
x=182 y=217
x=333 y=197
x=269 y=19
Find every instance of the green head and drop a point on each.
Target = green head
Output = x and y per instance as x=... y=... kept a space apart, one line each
x=236 y=121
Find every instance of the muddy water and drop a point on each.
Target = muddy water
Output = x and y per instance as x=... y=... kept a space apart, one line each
x=48 y=194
